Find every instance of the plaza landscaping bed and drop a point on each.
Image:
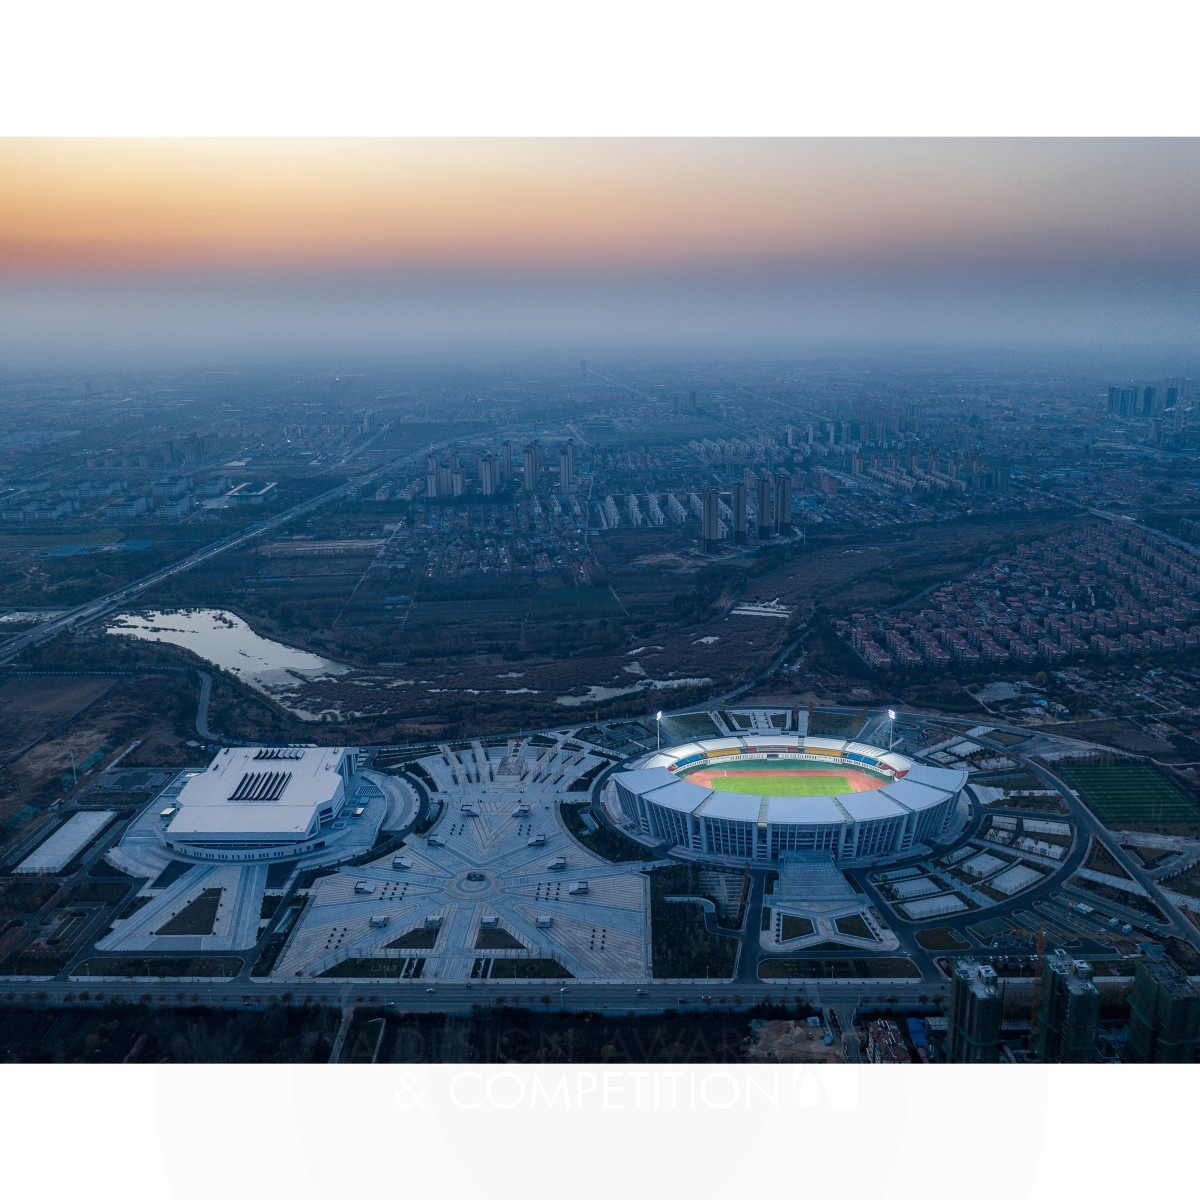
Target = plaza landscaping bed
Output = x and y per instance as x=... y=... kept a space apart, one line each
x=420 y=938
x=854 y=926
x=375 y=968
x=1099 y=859
x=197 y=918
x=794 y=927
x=837 y=968
x=131 y=967
x=527 y=968
x=497 y=939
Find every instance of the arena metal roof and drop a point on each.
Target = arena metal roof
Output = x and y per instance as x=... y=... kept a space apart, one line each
x=237 y=797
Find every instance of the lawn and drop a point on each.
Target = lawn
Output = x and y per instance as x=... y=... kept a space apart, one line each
x=834 y=724
x=75 y=537
x=1186 y=882
x=604 y=841
x=689 y=727
x=681 y=946
x=1151 y=856
x=1123 y=793
x=1100 y=860
x=941 y=938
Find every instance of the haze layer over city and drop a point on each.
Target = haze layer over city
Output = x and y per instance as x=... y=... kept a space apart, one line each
x=758 y=580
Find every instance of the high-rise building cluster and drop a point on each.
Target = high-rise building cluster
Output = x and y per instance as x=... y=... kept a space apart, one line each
x=445 y=476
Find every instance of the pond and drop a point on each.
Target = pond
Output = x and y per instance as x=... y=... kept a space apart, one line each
x=225 y=640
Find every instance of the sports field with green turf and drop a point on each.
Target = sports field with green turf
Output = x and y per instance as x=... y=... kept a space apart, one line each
x=1128 y=793
x=765 y=778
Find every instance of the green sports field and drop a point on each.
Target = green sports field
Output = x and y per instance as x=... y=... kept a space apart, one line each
x=769 y=779
x=784 y=784
x=1129 y=793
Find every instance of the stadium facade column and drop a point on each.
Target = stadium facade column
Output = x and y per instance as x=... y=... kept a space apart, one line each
x=853 y=839
x=951 y=809
x=841 y=841
x=762 y=842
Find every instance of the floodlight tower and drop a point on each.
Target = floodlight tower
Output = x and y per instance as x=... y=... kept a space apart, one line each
x=891 y=726
x=658 y=726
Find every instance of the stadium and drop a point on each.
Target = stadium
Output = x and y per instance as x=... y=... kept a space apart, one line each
x=759 y=796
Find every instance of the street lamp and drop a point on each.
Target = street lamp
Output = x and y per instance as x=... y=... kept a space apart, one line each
x=891 y=726
x=658 y=726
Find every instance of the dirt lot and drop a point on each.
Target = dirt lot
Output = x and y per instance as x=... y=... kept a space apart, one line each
x=32 y=705
x=791 y=1041
x=151 y=707
x=1125 y=735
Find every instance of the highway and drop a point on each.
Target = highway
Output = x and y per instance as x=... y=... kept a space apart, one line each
x=102 y=606
x=419 y=996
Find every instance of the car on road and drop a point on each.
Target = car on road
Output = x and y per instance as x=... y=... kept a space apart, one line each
x=429 y=989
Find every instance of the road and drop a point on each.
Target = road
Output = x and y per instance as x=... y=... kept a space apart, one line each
x=202 y=708
x=461 y=998
x=102 y=606
x=1180 y=926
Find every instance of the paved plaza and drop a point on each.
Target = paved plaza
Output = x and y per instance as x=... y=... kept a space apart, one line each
x=811 y=887
x=482 y=884
x=236 y=924
x=143 y=852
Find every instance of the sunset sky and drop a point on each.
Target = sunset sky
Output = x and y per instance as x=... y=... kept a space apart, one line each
x=225 y=248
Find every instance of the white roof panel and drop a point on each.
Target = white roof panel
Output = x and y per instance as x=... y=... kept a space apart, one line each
x=868 y=806
x=731 y=806
x=804 y=810
x=913 y=795
x=824 y=743
x=938 y=777
x=647 y=779
x=680 y=796
x=65 y=842
x=261 y=791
